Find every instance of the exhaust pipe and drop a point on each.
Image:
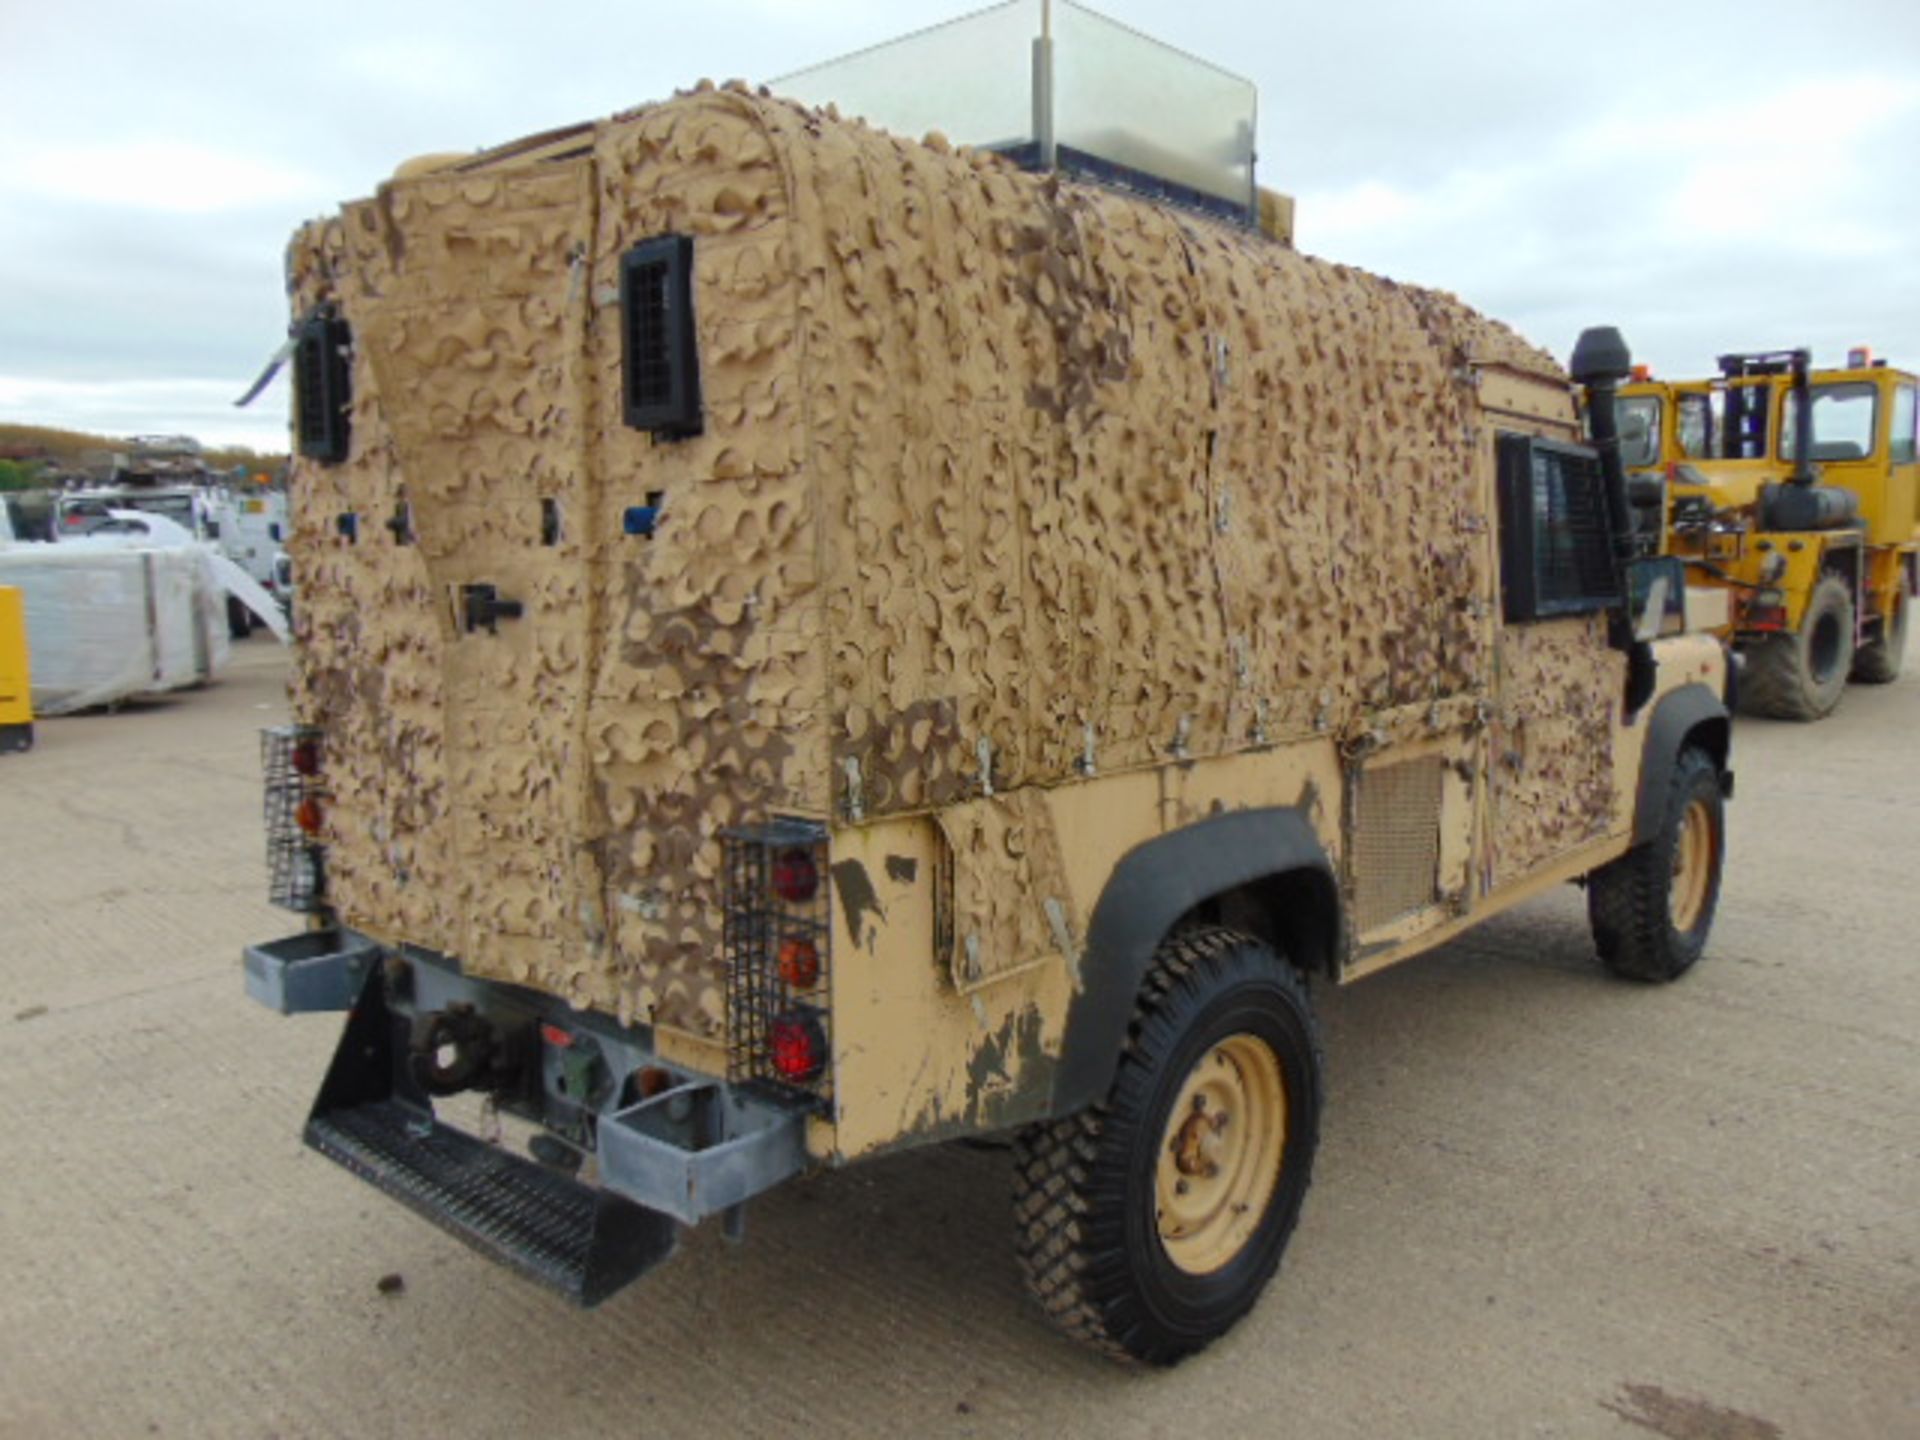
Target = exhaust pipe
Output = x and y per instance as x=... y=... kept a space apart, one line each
x=1600 y=362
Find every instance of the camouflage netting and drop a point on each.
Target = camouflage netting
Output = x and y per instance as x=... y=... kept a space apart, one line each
x=998 y=474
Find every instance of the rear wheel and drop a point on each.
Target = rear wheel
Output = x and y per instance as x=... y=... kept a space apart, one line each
x=1879 y=660
x=1150 y=1223
x=1652 y=908
x=1802 y=676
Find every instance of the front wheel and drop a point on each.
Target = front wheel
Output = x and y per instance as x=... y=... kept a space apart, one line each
x=1148 y=1224
x=1801 y=676
x=1652 y=908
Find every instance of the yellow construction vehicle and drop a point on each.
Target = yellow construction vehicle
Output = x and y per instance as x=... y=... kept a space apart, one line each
x=1797 y=492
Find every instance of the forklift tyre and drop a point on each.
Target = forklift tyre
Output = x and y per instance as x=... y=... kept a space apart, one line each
x=1802 y=676
x=1878 y=661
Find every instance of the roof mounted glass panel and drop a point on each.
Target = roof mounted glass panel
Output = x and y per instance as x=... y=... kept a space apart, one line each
x=1055 y=86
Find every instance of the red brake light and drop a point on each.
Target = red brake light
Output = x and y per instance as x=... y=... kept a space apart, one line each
x=556 y=1037
x=799 y=962
x=306 y=758
x=795 y=877
x=797 y=1046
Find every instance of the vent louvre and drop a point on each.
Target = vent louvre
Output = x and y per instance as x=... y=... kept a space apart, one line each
x=1396 y=840
x=658 y=348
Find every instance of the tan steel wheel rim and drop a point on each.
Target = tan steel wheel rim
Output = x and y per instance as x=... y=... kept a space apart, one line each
x=1692 y=865
x=1220 y=1154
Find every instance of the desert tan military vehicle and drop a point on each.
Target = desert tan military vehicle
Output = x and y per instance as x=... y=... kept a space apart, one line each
x=814 y=643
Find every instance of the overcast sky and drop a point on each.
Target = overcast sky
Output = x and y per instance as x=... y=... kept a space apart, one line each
x=1708 y=176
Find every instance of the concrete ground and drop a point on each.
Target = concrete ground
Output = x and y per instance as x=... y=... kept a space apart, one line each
x=1547 y=1203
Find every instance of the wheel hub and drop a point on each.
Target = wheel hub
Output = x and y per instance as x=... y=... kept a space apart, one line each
x=1221 y=1153
x=1692 y=866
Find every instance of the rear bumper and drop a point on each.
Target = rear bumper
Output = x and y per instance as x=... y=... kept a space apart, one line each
x=692 y=1148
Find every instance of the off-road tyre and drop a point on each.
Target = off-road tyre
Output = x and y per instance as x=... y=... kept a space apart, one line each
x=239 y=620
x=1878 y=661
x=1803 y=675
x=1652 y=908
x=1088 y=1187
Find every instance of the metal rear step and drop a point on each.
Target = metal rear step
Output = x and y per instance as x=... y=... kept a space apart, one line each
x=584 y=1241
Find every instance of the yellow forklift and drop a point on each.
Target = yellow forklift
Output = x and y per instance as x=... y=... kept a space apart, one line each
x=1797 y=492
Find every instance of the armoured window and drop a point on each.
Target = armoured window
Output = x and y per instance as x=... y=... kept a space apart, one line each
x=1556 y=546
x=322 y=386
x=660 y=357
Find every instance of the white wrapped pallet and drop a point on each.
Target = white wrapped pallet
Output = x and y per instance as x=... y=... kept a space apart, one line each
x=107 y=622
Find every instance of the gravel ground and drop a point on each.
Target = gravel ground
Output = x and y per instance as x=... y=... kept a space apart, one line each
x=1547 y=1204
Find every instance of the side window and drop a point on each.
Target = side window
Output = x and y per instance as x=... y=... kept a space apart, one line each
x=1556 y=548
x=1639 y=431
x=1695 y=424
x=1843 y=422
x=1901 y=448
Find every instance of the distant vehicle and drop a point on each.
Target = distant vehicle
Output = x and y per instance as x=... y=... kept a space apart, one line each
x=1796 y=492
x=248 y=528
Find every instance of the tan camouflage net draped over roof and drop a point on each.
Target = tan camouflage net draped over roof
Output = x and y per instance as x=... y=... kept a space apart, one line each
x=999 y=474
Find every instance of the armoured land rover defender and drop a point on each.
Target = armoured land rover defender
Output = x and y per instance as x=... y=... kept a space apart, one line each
x=814 y=643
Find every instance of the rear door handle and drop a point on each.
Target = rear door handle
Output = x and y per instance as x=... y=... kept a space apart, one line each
x=483 y=608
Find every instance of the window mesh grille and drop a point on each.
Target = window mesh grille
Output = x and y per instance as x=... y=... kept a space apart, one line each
x=659 y=352
x=322 y=387
x=1572 y=546
x=1556 y=538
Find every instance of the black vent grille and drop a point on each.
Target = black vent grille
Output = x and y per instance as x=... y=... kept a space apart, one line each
x=763 y=989
x=660 y=355
x=1555 y=538
x=322 y=386
x=296 y=872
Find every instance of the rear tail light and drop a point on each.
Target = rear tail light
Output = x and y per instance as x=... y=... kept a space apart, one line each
x=307 y=815
x=795 y=877
x=799 y=962
x=292 y=758
x=778 y=944
x=797 y=1044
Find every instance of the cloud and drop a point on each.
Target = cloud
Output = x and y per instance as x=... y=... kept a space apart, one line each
x=171 y=176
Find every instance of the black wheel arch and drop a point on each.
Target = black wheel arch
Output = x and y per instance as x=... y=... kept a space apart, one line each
x=1261 y=870
x=1691 y=715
